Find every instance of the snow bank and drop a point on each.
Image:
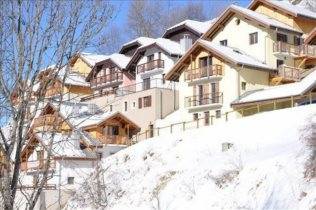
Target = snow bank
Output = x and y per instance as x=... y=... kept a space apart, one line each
x=263 y=169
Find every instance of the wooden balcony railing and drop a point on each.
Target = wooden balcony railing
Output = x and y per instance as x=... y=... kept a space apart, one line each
x=108 y=139
x=297 y=50
x=53 y=92
x=106 y=79
x=203 y=72
x=150 y=66
x=205 y=99
x=37 y=165
x=47 y=120
x=289 y=73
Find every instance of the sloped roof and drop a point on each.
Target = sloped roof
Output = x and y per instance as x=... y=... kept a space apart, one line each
x=91 y=58
x=140 y=41
x=231 y=55
x=281 y=91
x=255 y=16
x=310 y=36
x=287 y=7
x=72 y=78
x=196 y=26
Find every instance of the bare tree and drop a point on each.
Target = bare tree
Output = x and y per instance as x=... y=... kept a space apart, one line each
x=192 y=11
x=112 y=41
x=34 y=34
x=144 y=18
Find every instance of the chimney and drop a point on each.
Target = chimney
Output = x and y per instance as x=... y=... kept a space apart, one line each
x=186 y=42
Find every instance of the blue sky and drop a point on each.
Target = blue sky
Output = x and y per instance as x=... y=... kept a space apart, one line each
x=209 y=5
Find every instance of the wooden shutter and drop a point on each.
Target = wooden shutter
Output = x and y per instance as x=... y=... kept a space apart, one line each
x=140 y=103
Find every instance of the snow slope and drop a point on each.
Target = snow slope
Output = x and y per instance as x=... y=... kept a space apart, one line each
x=264 y=169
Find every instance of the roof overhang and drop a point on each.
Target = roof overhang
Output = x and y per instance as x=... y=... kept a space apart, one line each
x=107 y=63
x=228 y=14
x=178 y=29
x=178 y=68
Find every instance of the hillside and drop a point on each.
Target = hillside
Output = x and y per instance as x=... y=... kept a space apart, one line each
x=269 y=166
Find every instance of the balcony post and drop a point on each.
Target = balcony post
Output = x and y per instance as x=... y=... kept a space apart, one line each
x=292 y=101
x=212 y=119
x=310 y=97
x=171 y=128
x=183 y=126
x=226 y=116
x=157 y=131
x=197 y=123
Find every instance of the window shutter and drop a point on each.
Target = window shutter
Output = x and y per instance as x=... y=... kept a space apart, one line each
x=140 y=101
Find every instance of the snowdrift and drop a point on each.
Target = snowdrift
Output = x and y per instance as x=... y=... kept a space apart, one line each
x=260 y=162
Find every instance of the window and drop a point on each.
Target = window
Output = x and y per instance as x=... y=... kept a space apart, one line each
x=207 y=117
x=134 y=104
x=112 y=130
x=163 y=79
x=40 y=155
x=147 y=101
x=281 y=37
x=159 y=55
x=279 y=63
x=243 y=85
x=111 y=108
x=99 y=155
x=237 y=21
x=140 y=103
x=150 y=58
x=297 y=40
x=218 y=113
x=151 y=130
x=223 y=42
x=195 y=116
x=70 y=180
x=253 y=38
x=125 y=106
x=146 y=84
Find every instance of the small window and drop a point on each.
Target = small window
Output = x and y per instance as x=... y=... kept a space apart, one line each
x=195 y=116
x=207 y=117
x=111 y=108
x=159 y=55
x=218 y=113
x=125 y=106
x=146 y=84
x=243 y=85
x=163 y=79
x=253 y=38
x=297 y=41
x=134 y=104
x=237 y=21
x=147 y=101
x=140 y=103
x=112 y=130
x=71 y=180
x=279 y=63
x=100 y=155
x=112 y=153
x=150 y=58
x=281 y=37
x=223 y=42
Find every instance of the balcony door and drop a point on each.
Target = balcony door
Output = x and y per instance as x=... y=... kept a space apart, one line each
x=203 y=63
x=202 y=94
x=214 y=92
x=146 y=84
x=281 y=38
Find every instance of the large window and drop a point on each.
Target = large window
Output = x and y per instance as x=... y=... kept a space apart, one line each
x=253 y=38
x=112 y=130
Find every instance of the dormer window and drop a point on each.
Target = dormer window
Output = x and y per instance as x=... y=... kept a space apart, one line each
x=237 y=21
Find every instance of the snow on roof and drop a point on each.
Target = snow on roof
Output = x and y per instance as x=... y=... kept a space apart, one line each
x=92 y=59
x=169 y=46
x=281 y=91
x=234 y=54
x=263 y=18
x=140 y=40
x=72 y=78
x=120 y=60
x=299 y=9
x=64 y=145
x=198 y=26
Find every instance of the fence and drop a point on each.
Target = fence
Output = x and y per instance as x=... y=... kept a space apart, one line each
x=243 y=112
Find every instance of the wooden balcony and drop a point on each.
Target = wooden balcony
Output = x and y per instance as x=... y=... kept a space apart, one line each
x=205 y=99
x=37 y=165
x=289 y=73
x=107 y=139
x=106 y=79
x=294 y=50
x=47 y=120
x=203 y=72
x=150 y=66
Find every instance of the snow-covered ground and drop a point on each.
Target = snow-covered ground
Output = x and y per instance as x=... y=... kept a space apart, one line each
x=268 y=167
